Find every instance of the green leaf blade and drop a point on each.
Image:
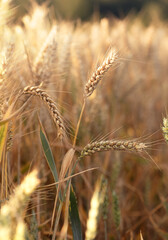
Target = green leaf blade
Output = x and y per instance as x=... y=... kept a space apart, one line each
x=48 y=155
x=74 y=217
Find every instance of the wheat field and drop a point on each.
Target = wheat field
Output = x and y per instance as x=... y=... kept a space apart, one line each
x=83 y=127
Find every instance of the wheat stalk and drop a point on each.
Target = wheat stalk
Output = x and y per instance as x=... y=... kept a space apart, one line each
x=99 y=73
x=36 y=91
x=119 y=145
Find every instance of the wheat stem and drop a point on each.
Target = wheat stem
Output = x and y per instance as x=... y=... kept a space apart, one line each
x=78 y=124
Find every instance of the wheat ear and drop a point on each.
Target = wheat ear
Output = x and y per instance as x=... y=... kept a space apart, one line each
x=36 y=91
x=165 y=129
x=99 y=73
x=12 y=212
x=119 y=145
x=95 y=206
x=43 y=66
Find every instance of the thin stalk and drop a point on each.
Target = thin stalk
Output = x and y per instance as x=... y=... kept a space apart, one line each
x=19 y=152
x=80 y=117
x=63 y=199
x=2 y=177
x=57 y=219
x=105 y=230
x=6 y=177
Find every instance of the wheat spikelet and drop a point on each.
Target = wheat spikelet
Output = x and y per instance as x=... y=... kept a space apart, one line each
x=9 y=53
x=33 y=226
x=43 y=66
x=36 y=91
x=16 y=204
x=99 y=73
x=94 y=212
x=116 y=209
x=6 y=59
x=20 y=231
x=9 y=141
x=119 y=145
x=105 y=203
x=165 y=129
x=65 y=55
x=11 y=213
x=3 y=104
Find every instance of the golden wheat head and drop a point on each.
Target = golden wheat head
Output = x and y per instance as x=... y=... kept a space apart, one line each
x=119 y=145
x=99 y=73
x=36 y=91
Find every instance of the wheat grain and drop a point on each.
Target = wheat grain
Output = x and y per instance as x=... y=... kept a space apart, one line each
x=119 y=145
x=99 y=73
x=36 y=91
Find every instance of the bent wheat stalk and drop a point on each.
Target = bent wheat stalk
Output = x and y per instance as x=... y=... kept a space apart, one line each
x=36 y=91
x=99 y=73
x=119 y=145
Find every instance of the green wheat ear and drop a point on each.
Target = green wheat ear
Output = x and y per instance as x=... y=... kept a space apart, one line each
x=116 y=210
x=165 y=129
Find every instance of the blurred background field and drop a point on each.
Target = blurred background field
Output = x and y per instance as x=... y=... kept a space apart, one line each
x=84 y=9
x=60 y=44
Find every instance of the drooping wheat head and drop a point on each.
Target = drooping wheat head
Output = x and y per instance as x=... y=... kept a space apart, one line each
x=36 y=91
x=119 y=145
